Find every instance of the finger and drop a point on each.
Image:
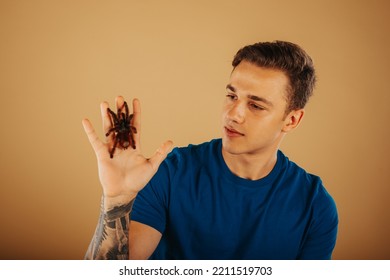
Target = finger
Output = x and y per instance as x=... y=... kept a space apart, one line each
x=119 y=101
x=136 y=120
x=92 y=136
x=106 y=120
x=160 y=154
x=137 y=113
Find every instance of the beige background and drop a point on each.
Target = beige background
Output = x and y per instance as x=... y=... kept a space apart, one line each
x=60 y=59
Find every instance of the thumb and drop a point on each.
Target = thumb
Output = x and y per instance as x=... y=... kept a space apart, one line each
x=160 y=154
x=92 y=136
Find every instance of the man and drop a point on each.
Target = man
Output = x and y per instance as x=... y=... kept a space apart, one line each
x=238 y=197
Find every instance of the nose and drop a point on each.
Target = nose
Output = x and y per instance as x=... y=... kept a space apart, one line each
x=236 y=112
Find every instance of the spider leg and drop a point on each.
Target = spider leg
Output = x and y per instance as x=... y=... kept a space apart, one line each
x=113 y=147
x=111 y=130
x=127 y=117
x=119 y=113
x=133 y=128
x=113 y=116
x=126 y=109
x=131 y=140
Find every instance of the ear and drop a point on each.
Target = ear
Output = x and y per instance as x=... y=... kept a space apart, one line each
x=292 y=120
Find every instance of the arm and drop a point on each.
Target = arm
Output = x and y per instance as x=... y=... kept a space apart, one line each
x=113 y=238
x=111 y=235
x=121 y=177
x=322 y=234
x=143 y=240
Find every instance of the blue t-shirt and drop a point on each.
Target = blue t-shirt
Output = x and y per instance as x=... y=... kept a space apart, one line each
x=204 y=211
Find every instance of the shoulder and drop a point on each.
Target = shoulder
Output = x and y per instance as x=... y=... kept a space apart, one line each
x=193 y=153
x=306 y=183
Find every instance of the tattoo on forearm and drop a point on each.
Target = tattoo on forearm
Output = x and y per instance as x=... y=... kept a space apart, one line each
x=110 y=241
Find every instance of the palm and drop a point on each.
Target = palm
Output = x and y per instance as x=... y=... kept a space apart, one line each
x=121 y=173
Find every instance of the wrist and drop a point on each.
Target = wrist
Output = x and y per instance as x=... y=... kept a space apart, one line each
x=111 y=203
x=121 y=213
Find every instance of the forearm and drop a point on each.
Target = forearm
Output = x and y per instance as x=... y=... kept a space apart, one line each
x=110 y=241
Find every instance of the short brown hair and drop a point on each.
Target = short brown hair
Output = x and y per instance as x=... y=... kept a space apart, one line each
x=289 y=58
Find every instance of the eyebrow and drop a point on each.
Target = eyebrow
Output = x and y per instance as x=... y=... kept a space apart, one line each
x=251 y=96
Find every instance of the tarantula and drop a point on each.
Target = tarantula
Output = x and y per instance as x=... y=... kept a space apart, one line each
x=122 y=128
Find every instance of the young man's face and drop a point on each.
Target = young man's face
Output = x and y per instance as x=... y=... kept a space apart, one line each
x=254 y=110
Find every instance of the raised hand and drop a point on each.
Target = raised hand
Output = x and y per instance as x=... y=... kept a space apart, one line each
x=128 y=171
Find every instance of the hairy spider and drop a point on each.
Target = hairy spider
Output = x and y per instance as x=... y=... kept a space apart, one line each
x=122 y=128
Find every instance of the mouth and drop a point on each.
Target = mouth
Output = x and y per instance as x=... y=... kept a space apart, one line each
x=231 y=132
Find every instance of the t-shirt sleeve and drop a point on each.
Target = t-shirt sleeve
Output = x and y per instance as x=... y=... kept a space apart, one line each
x=322 y=233
x=150 y=206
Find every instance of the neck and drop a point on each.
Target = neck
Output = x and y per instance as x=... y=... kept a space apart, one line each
x=250 y=166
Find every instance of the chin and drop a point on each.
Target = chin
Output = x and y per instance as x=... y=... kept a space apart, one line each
x=232 y=148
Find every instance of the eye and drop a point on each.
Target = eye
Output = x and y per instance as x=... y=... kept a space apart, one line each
x=231 y=96
x=256 y=106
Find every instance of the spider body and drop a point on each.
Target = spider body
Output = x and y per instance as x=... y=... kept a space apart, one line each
x=122 y=129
